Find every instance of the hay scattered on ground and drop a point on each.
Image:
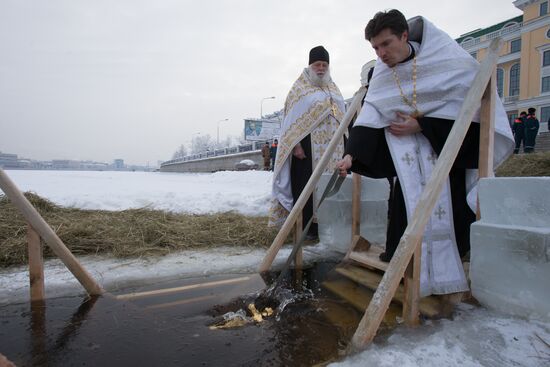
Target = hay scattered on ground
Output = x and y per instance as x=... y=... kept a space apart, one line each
x=525 y=165
x=128 y=233
x=145 y=232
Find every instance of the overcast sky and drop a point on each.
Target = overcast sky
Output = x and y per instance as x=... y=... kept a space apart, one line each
x=134 y=79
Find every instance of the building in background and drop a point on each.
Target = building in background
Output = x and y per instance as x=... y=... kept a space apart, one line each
x=8 y=160
x=118 y=164
x=523 y=71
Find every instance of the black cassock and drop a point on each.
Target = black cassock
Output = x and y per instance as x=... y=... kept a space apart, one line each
x=371 y=157
x=300 y=172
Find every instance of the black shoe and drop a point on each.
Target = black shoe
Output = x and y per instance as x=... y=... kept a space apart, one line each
x=385 y=257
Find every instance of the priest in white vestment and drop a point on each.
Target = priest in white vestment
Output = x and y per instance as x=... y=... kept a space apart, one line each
x=415 y=94
x=312 y=113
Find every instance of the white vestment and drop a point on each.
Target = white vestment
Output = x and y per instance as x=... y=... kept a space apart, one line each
x=309 y=110
x=445 y=73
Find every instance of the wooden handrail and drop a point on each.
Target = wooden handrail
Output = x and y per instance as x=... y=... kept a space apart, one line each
x=312 y=182
x=412 y=237
x=486 y=135
x=38 y=223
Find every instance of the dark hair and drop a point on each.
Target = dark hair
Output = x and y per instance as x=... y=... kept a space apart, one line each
x=393 y=20
x=523 y=113
x=532 y=110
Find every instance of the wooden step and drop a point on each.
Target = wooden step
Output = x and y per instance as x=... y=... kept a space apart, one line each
x=193 y=293
x=360 y=297
x=431 y=306
x=369 y=258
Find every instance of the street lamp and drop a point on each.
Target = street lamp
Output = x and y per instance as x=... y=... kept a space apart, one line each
x=261 y=105
x=218 y=134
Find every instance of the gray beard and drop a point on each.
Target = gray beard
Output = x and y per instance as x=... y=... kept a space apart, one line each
x=316 y=80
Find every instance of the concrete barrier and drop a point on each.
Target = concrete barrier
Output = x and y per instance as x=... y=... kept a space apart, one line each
x=213 y=164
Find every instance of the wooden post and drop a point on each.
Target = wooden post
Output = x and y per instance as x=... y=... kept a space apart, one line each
x=50 y=237
x=356 y=206
x=39 y=341
x=412 y=236
x=487 y=133
x=411 y=312
x=298 y=229
x=36 y=265
x=312 y=182
x=356 y=240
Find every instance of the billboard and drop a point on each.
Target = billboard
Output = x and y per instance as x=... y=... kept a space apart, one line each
x=256 y=130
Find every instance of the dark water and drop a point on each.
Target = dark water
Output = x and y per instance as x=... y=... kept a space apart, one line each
x=314 y=327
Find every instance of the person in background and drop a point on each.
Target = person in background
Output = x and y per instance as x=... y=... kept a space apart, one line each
x=273 y=153
x=531 y=130
x=518 y=129
x=313 y=110
x=266 y=155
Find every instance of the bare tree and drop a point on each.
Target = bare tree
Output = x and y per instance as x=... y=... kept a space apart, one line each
x=180 y=153
x=202 y=143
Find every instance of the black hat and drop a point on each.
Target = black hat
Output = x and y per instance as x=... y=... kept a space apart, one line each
x=318 y=54
x=531 y=110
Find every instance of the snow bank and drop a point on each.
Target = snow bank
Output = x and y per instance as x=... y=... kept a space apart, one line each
x=246 y=192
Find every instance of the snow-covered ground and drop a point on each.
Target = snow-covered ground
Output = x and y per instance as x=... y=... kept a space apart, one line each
x=476 y=336
x=247 y=192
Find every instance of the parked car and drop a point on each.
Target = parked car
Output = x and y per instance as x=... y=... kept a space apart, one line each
x=245 y=165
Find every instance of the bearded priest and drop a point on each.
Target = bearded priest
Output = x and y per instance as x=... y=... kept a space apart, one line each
x=313 y=110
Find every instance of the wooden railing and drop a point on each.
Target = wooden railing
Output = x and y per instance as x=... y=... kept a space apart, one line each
x=406 y=260
x=37 y=228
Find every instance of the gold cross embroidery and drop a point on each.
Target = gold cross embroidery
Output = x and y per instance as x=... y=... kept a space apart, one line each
x=333 y=108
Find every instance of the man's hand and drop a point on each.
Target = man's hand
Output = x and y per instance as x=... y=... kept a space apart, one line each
x=298 y=152
x=406 y=125
x=344 y=165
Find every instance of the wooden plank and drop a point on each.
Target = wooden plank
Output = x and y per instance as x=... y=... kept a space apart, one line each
x=312 y=182
x=359 y=297
x=487 y=132
x=356 y=205
x=356 y=239
x=429 y=306
x=182 y=302
x=298 y=230
x=369 y=258
x=411 y=283
x=48 y=235
x=413 y=233
x=36 y=265
x=184 y=288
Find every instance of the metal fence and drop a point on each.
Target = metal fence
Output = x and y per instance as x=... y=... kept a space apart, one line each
x=492 y=35
x=256 y=145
